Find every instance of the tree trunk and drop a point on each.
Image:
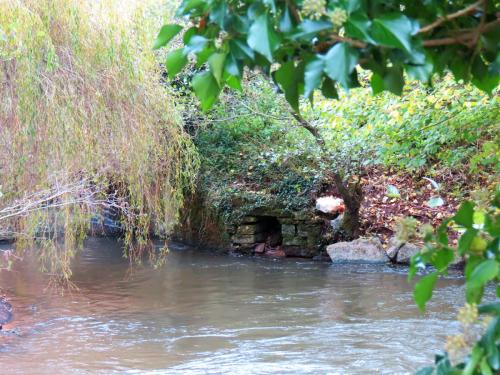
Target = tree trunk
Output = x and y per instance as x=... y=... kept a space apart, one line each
x=352 y=195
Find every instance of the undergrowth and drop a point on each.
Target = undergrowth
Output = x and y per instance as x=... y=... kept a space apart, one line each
x=255 y=154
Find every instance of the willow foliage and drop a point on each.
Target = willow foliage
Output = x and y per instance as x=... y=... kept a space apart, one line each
x=82 y=105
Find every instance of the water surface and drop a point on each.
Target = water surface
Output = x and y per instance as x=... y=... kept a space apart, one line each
x=212 y=314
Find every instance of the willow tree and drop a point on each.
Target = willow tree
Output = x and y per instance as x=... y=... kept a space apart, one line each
x=316 y=45
x=85 y=124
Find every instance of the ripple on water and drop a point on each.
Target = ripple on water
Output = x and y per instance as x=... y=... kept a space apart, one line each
x=206 y=313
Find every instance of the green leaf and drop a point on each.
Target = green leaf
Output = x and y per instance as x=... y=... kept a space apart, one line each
x=357 y=26
x=471 y=264
x=488 y=341
x=206 y=89
x=310 y=28
x=241 y=50
x=312 y=75
x=188 y=6
x=219 y=13
x=392 y=81
x=394 y=30
x=485 y=368
x=288 y=78
x=484 y=272
x=216 y=63
x=423 y=290
x=262 y=38
x=490 y=308
x=435 y=202
x=328 y=89
x=482 y=77
x=475 y=357
x=231 y=66
x=340 y=60
x=442 y=258
x=422 y=72
x=377 y=83
x=233 y=81
x=166 y=34
x=465 y=241
x=176 y=61
x=425 y=371
x=465 y=215
x=196 y=44
x=286 y=24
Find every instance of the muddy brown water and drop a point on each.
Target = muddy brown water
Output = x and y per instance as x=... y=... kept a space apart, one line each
x=214 y=314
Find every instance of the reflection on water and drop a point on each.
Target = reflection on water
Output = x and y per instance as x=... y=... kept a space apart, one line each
x=205 y=313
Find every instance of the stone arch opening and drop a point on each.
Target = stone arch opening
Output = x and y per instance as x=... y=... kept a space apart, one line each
x=271 y=230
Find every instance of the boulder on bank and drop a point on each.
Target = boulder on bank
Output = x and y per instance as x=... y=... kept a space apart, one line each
x=362 y=250
x=402 y=252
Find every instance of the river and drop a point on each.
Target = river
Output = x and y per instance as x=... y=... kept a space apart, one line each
x=204 y=313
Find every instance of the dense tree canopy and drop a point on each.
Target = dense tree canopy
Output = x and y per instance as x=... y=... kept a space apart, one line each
x=317 y=44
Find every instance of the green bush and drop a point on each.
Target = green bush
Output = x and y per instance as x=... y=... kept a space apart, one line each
x=450 y=125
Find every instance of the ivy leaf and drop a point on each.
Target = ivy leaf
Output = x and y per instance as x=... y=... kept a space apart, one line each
x=262 y=38
x=240 y=50
x=216 y=63
x=288 y=78
x=176 y=61
x=480 y=275
x=231 y=66
x=465 y=241
x=328 y=89
x=484 y=272
x=482 y=78
x=357 y=27
x=188 y=6
x=218 y=13
x=340 y=62
x=394 y=30
x=421 y=72
x=442 y=258
x=423 y=289
x=196 y=44
x=206 y=89
x=310 y=28
x=465 y=215
x=166 y=34
x=392 y=81
x=312 y=76
x=286 y=23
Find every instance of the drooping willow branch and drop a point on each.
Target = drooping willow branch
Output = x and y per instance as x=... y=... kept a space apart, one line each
x=82 y=192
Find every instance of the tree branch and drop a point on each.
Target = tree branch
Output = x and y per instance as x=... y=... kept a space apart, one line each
x=311 y=129
x=294 y=11
x=465 y=39
x=471 y=8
